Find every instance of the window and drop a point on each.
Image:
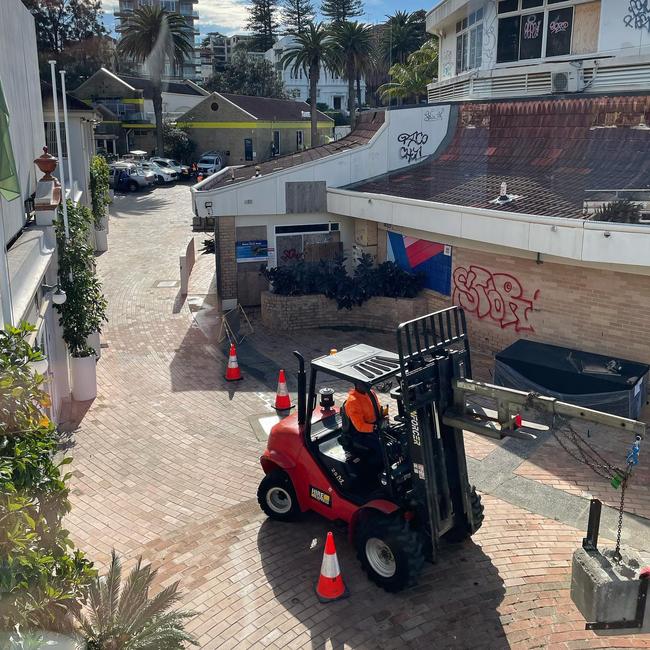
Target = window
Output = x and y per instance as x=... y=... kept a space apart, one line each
x=50 y=138
x=533 y=29
x=299 y=139
x=469 y=42
x=337 y=103
x=248 y=149
x=276 y=143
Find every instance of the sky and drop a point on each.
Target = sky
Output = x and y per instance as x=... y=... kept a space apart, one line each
x=229 y=16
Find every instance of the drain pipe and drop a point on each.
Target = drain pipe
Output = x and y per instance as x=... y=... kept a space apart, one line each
x=67 y=130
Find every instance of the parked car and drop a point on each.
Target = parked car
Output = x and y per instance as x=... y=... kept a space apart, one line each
x=162 y=174
x=210 y=163
x=181 y=170
x=138 y=178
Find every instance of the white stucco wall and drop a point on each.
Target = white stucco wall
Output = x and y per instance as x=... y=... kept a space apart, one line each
x=616 y=38
x=407 y=136
x=20 y=83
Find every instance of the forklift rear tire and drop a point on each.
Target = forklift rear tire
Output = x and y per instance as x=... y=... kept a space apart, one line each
x=277 y=498
x=390 y=551
x=461 y=533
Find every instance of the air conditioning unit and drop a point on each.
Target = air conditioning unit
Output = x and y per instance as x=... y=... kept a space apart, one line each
x=568 y=80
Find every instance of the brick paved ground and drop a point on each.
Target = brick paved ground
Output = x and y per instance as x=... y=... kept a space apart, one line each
x=165 y=465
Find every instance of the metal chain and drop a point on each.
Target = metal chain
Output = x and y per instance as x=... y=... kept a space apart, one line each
x=588 y=455
x=617 y=551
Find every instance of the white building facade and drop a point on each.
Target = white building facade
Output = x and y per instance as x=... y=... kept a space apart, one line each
x=28 y=264
x=332 y=89
x=493 y=48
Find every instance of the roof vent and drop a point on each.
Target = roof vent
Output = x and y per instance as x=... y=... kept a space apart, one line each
x=504 y=197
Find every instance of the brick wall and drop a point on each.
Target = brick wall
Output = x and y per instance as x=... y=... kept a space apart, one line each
x=226 y=261
x=596 y=310
x=304 y=312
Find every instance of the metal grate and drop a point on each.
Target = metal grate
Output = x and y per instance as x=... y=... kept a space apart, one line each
x=376 y=367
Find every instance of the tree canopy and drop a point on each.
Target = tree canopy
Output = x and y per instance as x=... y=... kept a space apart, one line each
x=71 y=32
x=339 y=11
x=263 y=22
x=248 y=75
x=296 y=15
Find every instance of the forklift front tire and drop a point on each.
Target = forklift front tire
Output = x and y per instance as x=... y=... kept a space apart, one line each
x=277 y=498
x=390 y=551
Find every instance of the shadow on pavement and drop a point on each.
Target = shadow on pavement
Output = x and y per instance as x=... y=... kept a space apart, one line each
x=453 y=606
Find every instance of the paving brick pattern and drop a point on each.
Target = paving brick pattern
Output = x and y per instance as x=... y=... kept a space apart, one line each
x=165 y=465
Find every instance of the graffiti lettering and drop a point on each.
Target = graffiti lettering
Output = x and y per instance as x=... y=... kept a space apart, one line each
x=412 y=144
x=532 y=26
x=433 y=116
x=557 y=26
x=290 y=254
x=498 y=296
x=638 y=16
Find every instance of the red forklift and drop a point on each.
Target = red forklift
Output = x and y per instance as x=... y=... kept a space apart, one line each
x=398 y=506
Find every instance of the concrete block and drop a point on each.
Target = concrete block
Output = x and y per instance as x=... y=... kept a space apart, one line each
x=606 y=591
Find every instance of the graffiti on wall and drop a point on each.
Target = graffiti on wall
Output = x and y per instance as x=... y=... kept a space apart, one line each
x=638 y=15
x=411 y=145
x=497 y=296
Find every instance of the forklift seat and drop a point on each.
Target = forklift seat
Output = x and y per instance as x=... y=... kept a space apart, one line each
x=351 y=440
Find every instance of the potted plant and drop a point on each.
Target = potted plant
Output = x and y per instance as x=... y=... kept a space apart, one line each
x=100 y=197
x=85 y=307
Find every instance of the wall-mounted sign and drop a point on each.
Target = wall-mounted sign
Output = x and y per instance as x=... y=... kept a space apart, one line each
x=252 y=250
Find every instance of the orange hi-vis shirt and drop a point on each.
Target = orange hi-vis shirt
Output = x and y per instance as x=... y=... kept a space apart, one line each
x=360 y=410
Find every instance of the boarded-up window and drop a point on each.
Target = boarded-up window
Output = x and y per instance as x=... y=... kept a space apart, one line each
x=585 y=28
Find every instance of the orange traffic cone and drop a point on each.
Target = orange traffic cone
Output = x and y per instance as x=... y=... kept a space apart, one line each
x=282 y=398
x=330 y=584
x=233 y=373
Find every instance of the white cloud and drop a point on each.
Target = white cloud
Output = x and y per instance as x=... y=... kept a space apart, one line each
x=229 y=16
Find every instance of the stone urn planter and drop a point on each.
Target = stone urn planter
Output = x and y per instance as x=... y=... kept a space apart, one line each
x=93 y=341
x=101 y=240
x=83 y=372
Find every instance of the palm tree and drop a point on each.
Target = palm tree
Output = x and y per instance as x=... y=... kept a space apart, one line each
x=125 y=618
x=152 y=35
x=354 y=49
x=411 y=79
x=404 y=33
x=311 y=50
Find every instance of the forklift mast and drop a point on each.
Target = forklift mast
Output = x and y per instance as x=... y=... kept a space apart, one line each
x=433 y=352
x=434 y=402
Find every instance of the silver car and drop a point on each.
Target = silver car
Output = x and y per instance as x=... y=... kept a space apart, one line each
x=181 y=170
x=137 y=177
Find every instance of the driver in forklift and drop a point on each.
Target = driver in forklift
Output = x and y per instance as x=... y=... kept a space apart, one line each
x=361 y=411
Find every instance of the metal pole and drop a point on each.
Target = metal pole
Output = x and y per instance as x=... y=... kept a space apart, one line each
x=59 y=148
x=67 y=128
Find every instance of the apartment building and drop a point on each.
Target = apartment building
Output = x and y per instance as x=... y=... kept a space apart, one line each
x=332 y=88
x=191 y=67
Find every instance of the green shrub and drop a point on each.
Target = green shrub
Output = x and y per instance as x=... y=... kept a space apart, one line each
x=99 y=186
x=621 y=211
x=84 y=310
x=332 y=279
x=42 y=581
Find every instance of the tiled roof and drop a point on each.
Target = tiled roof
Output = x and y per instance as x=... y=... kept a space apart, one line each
x=547 y=151
x=369 y=123
x=74 y=104
x=145 y=85
x=268 y=108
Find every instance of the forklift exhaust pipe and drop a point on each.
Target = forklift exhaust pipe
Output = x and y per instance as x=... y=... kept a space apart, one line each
x=302 y=388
